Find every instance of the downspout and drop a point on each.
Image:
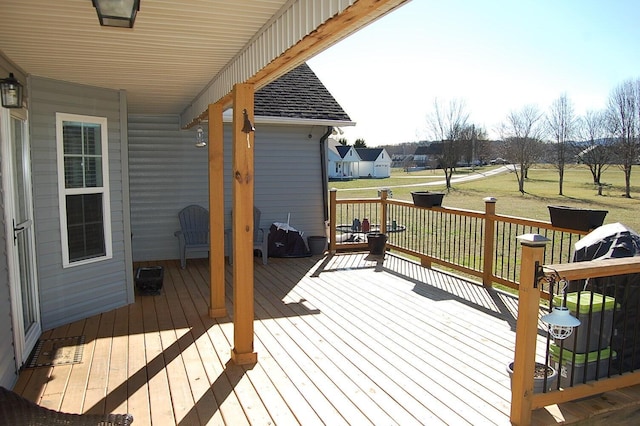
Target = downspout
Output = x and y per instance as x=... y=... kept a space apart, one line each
x=323 y=169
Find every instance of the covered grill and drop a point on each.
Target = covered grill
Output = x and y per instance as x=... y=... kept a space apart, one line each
x=611 y=241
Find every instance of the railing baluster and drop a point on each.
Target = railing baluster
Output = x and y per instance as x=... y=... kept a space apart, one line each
x=455 y=238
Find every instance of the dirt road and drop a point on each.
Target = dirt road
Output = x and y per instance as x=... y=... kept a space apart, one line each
x=439 y=182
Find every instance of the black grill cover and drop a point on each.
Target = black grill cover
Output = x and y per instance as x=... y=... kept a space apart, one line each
x=609 y=241
x=286 y=243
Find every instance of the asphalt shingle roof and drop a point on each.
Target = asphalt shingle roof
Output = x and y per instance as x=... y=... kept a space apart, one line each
x=298 y=94
x=369 y=154
x=342 y=150
x=434 y=148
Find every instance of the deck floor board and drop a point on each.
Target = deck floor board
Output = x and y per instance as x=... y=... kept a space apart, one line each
x=344 y=339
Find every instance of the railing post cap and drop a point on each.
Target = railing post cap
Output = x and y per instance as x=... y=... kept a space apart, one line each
x=333 y=190
x=533 y=240
x=490 y=199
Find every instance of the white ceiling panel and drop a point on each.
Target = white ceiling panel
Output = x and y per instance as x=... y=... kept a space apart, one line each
x=173 y=51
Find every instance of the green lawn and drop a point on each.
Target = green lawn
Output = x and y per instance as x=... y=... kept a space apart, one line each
x=541 y=190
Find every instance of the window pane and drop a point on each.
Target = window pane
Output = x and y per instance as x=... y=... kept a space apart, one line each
x=82 y=155
x=72 y=138
x=73 y=172
x=92 y=145
x=85 y=226
x=92 y=172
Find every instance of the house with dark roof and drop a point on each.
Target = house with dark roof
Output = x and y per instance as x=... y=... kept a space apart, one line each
x=342 y=161
x=374 y=163
x=427 y=155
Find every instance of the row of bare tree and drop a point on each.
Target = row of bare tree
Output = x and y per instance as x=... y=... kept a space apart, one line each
x=559 y=136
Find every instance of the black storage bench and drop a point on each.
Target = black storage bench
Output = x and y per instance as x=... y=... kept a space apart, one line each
x=149 y=280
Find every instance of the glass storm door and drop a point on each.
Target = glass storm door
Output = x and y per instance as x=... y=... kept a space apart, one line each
x=20 y=235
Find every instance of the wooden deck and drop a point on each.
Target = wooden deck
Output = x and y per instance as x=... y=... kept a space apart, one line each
x=348 y=339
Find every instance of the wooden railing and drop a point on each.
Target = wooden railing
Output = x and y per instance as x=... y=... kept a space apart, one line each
x=477 y=243
x=619 y=372
x=485 y=245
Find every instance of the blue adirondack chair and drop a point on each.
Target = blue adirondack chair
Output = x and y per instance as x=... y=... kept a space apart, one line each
x=193 y=235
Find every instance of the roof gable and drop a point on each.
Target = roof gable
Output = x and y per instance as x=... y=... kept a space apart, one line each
x=343 y=149
x=298 y=94
x=369 y=154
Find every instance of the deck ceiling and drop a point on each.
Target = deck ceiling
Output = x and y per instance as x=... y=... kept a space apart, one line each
x=174 y=52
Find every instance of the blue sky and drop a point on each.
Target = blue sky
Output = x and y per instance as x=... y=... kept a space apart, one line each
x=496 y=55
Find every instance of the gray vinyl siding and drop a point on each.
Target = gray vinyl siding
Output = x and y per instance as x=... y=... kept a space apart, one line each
x=69 y=294
x=167 y=173
x=289 y=177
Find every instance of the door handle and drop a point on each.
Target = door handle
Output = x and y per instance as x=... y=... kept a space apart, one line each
x=16 y=230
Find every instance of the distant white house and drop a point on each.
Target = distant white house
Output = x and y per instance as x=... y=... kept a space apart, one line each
x=342 y=160
x=374 y=163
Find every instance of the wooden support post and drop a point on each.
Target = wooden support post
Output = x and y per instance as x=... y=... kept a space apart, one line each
x=489 y=240
x=333 y=195
x=243 y=189
x=526 y=329
x=384 y=193
x=217 y=308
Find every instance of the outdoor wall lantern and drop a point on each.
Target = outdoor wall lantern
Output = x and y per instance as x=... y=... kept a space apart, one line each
x=561 y=322
x=11 y=91
x=117 y=13
x=201 y=142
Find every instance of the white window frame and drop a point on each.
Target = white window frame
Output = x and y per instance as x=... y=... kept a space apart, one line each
x=63 y=191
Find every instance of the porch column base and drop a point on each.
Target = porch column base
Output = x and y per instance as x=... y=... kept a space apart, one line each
x=217 y=312
x=244 y=359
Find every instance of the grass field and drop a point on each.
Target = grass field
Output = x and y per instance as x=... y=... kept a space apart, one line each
x=541 y=190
